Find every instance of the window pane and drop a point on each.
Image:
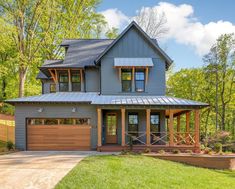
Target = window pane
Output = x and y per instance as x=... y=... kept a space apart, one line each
x=64 y=87
x=52 y=88
x=76 y=86
x=139 y=86
x=154 y=119
x=82 y=121
x=35 y=122
x=126 y=75
x=139 y=75
x=133 y=119
x=66 y=121
x=51 y=122
x=126 y=86
x=64 y=77
x=75 y=77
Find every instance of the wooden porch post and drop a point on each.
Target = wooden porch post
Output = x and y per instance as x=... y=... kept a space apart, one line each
x=148 y=142
x=99 y=128
x=178 y=127
x=187 y=127
x=171 y=127
x=123 y=110
x=197 y=127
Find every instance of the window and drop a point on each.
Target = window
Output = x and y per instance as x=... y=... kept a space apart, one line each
x=155 y=123
x=67 y=121
x=139 y=80
x=126 y=80
x=133 y=123
x=52 y=88
x=51 y=122
x=76 y=81
x=64 y=81
x=59 y=121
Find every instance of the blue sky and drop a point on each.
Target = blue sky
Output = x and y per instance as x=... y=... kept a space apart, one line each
x=194 y=25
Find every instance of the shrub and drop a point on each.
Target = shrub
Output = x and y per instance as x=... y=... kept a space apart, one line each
x=147 y=150
x=161 y=152
x=9 y=145
x=207 y=150
x=189 y=151
x=218 y=147
x=125 y=152
x=176 y=151
x=203 y=147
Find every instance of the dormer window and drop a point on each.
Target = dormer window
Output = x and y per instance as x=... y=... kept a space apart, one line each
x=63 y=82
x=76 y=81
x=139 y=80
x=126 y=80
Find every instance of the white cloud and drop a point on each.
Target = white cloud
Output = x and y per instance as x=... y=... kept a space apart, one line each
x=183 y=26
x=115 y=18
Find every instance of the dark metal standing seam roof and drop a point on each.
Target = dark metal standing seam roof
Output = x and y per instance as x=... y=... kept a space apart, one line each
x=96 y=99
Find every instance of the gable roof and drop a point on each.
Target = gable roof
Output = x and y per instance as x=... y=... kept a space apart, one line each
x=83 y=52
x=145 y=35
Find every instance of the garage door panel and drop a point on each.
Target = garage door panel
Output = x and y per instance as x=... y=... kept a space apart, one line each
x=58 y=137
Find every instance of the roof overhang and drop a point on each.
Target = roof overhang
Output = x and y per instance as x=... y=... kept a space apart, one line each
x=133 y=62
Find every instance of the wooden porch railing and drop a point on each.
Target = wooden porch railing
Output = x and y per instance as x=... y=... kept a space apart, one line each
x=137 y=137
x=161 y=138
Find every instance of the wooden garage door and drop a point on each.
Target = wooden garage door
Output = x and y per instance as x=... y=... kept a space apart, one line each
x=58 y=137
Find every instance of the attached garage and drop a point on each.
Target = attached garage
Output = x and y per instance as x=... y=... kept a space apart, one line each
x=58 y=134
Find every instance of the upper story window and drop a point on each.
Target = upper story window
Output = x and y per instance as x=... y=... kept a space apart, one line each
x=139 y=80
x=63 y=81
x=76 y=81
x=52 y=88
x=126 y=80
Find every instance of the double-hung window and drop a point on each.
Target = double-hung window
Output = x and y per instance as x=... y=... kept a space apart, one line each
x=63 y=81
x=139 y=80
x=155 y=122
x=133 y=122
x=76 y=81
x=126 y=80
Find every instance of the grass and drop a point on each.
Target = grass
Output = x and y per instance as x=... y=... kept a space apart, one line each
x=101 y=172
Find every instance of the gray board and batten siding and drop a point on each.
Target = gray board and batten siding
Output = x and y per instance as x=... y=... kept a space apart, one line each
x=132 y=45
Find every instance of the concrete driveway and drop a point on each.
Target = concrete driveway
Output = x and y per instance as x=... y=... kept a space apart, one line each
x=37 y=170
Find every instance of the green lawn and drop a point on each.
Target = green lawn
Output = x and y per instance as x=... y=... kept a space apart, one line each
x=100 y=172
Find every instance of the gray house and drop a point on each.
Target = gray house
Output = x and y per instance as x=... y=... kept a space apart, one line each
x=105 y=95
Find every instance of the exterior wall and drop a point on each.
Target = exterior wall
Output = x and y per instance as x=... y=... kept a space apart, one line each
x=132 y=45
x=92 y=80
x=46 y=86
x=52 y=111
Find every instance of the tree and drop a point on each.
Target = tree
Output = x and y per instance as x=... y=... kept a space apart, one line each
x=220 y=72
x=112 y=33
x=40 y=25
x=152 y=21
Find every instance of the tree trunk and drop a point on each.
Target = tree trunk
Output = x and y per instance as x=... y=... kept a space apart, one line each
x=22 y=78
x=4 y=87
x=223 y=117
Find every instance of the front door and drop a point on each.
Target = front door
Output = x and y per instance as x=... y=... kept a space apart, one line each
x=111 y=128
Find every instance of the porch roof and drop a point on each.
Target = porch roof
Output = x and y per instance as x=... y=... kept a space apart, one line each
x=97 y=99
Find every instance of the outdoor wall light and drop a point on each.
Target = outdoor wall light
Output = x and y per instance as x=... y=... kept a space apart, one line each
x=74 y=110
x=40 y=110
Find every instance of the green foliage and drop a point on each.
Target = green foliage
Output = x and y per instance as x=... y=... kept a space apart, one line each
x=161 y=152
x=176 y=151
x=218 y=147
x=112 y=33
x=10 y=145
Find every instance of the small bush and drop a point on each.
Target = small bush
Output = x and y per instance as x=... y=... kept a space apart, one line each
x=176 y=151
x=161 y=152
x=9 y=145
x=189 y=151
x=210 y=153
x=218 y=147
x=147 y=150
x=203 y=147
x=207 y=150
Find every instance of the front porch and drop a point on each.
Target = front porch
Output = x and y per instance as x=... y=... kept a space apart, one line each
x=172 y=129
